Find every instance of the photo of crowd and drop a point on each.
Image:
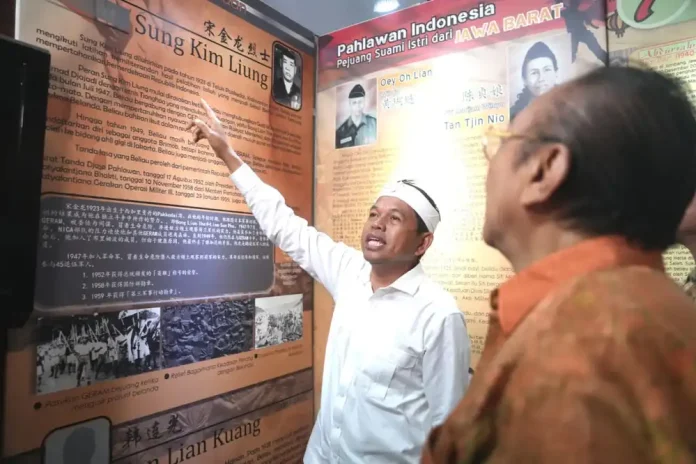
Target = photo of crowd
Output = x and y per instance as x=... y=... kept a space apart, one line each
x=199 y=332
x=81 y=350
x=278 y=320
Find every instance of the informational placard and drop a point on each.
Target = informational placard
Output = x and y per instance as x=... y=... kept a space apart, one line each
x=434 y=77
x=660 y=35
x=167 y=328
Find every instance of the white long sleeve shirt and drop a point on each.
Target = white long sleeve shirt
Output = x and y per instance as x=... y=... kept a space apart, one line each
x=397 y=359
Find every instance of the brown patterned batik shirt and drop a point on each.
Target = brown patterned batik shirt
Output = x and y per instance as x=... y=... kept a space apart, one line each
x=590 y=358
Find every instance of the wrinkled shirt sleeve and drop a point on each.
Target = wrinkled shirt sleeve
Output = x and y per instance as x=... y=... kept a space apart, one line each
x=324 y=259
x=446 y=365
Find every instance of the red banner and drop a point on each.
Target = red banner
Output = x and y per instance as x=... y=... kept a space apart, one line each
x=437 y=28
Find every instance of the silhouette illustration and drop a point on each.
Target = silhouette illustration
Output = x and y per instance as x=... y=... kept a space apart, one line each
x=79 y=447
x=577 y=20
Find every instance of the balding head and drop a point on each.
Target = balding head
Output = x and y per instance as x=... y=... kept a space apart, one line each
x=632 y=137
x=610 y=153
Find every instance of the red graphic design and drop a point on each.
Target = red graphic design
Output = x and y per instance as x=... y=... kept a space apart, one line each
x=644 y=10
x=514 y=19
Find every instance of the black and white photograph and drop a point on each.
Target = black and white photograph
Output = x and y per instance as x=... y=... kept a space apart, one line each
x=544 y=61
x=77 y=351
x=278 y=320
x=84 y=443
x=287 y=77
x=195 y=333
x=356 y=113
x=535 y=67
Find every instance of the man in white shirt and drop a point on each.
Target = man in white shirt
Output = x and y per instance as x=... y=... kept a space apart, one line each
x=397 y=357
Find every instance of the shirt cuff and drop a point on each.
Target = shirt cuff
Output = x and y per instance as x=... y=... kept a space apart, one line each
x=245 y=179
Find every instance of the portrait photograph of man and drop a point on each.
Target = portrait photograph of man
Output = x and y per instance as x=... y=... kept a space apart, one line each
x=356 y=124
x=83 y=443
x=287 y=77
x=539 y=72
x=541 y=63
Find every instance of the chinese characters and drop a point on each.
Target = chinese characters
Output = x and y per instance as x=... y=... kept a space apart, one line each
x=482 y=93
x=234 y=41
x=97 y=251
x=394 y=99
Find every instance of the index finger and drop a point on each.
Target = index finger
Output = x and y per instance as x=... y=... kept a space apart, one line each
x=209 y=110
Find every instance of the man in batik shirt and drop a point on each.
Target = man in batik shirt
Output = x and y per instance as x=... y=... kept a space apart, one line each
x=590 y=355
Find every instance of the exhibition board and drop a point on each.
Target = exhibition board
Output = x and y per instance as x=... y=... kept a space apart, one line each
x=436 y=76
x=166 y=327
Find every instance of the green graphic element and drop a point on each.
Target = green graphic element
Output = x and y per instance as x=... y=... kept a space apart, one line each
x=651 y=14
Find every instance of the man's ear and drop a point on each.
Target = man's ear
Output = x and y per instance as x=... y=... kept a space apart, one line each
x=425 y=242
x=546 y=171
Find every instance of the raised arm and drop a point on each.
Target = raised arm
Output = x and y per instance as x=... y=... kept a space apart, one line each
x=315 y=252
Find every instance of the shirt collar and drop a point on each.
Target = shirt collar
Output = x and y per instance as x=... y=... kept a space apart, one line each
x=519 y=295
x=351 y=123
x=407 y=283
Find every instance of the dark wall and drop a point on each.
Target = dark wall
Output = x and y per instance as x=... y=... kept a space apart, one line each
x=7 y=16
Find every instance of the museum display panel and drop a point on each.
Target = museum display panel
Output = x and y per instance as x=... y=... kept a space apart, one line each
x=166 y=327
x=435 y=77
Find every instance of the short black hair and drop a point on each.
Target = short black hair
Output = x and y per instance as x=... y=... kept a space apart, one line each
x=422 y=228
x=632 y=137
x=287 y=53
x=538 y=50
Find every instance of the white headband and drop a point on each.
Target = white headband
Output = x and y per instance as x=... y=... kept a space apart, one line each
x=413 y=197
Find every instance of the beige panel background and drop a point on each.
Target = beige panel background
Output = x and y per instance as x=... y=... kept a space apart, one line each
x=423 y=141
x=430 y=126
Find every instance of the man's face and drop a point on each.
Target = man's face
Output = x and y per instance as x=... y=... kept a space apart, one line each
x=357 y=105
x=540 y=76
x=506 y=180
x=289 y=68
x=391 y=233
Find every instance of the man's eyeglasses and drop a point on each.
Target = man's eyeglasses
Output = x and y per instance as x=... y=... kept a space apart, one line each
x=493 y=138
